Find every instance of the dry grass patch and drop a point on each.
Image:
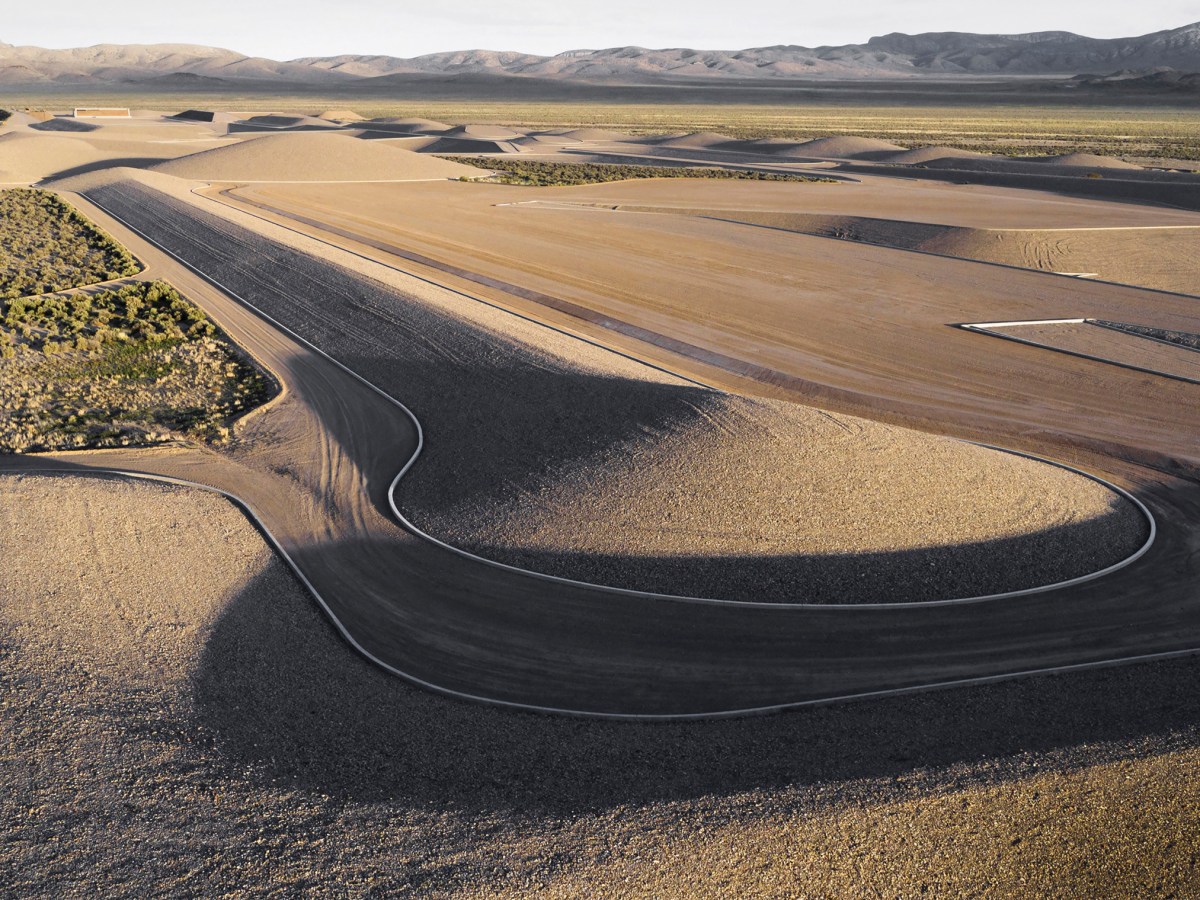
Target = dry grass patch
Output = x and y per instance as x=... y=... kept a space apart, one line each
x=139 y=364
x=45 y=245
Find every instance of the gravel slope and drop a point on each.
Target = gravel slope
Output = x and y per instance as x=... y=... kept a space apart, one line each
x=178 y=719
x=535 y=440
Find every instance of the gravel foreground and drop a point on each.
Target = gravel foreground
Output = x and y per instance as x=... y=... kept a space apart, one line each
x=178 y=719
x=548 y=453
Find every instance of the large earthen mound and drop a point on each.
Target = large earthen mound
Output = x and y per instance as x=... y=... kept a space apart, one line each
x=1087 y=160
x=311 y=157
x=842 y=147
x=922 y=155
x=32 y=157
x=467 y=147
x=414 y=125
x=273 y=121
x=594 y=134
x=700 y=140
x=340 y=115
x=482 y=132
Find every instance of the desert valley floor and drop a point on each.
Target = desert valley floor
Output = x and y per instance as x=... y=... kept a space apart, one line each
x=669 y=449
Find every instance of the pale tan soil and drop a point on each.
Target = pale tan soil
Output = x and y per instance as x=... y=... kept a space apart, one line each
x=312 y=157
x=1107 y=343
x=27 y=157
x=179 y=719
x=920 y=155
x=413 y=124
x=1165 y=258
x=819 y=503
x=482 y=132
x=316 y=463
x=1091 y=160
x=837 y=147
x=884 y=348
x=341 y=115
x=271 y=120
x=739 y=486
x=699 y=139
x=594 y=134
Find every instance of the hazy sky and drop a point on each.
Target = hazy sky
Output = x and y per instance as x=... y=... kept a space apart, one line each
x=284 y=30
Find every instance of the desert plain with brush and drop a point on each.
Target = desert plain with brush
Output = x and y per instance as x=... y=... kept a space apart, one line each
x=459 y=508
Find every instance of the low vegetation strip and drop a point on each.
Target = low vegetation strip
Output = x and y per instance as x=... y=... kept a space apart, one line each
x=135 y=365
x=1181 y=338
x=45 y=245
x=547 y=174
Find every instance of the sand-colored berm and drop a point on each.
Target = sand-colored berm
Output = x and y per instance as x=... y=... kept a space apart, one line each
x=309 y=156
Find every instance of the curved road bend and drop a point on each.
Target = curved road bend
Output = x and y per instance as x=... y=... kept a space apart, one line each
x=316 y=465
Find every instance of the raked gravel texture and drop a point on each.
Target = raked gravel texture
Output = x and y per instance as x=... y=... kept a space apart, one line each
x=178 y=719
x=557 y=456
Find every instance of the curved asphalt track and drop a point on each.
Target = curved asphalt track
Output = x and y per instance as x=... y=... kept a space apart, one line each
x=486 y=633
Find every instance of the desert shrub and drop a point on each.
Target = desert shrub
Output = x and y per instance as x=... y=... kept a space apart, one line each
x=129 y=365
x=149 y=312
x=540 y=173
x=46 y=245
x=1181 y=338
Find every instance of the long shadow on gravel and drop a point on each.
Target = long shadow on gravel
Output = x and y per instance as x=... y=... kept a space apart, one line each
x=285 y=700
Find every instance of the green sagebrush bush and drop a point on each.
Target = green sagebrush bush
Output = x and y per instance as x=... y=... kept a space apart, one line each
x=46 y=245
x=146 y=311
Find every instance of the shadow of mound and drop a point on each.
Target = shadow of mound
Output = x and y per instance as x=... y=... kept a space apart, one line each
x=129 y=162
x=289 y=704
x=939 y=572
x=64 y=125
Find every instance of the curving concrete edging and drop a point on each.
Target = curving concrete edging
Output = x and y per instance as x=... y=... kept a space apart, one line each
x=589 y=714
x=350 y=639
x=558 y=579
x=466 y=554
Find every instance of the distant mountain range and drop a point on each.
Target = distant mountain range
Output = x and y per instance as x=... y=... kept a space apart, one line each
x=936 y=54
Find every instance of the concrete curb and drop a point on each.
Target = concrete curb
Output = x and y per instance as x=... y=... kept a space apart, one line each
x=771 y=708
x=987 y=328
x=590 y=714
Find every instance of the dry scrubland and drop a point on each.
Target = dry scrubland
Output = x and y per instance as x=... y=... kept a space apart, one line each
x=138 y=364
x=45 y=245
x=544 y=174
x=179 y=718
